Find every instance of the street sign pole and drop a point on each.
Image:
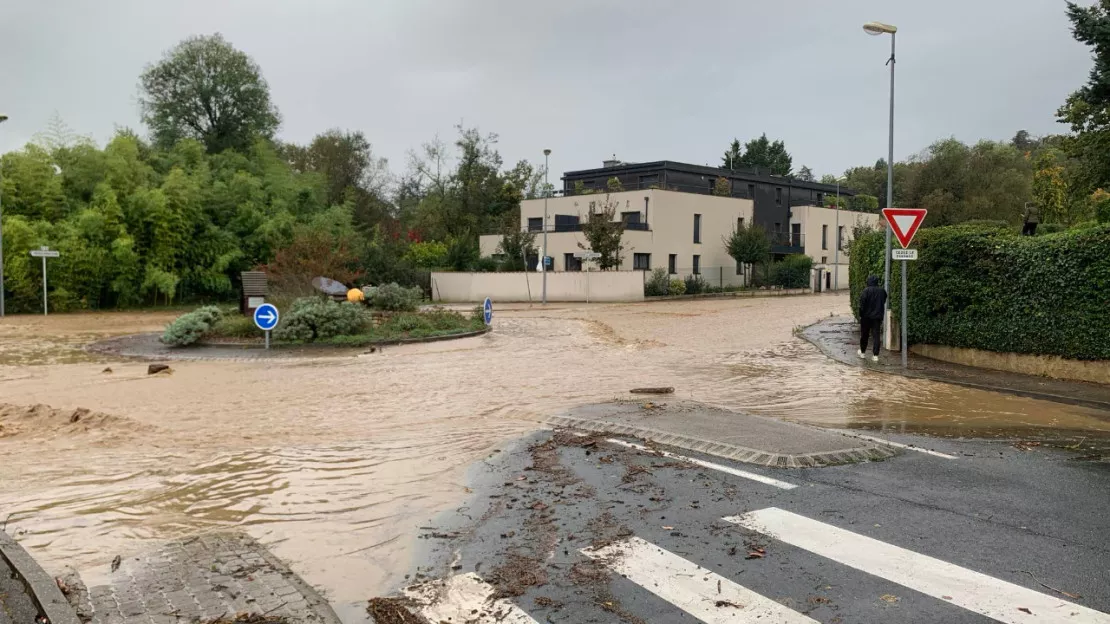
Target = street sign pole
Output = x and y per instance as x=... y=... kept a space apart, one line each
x=905 y=322
x=266 y=318
x=44 y=309
x=44 y=252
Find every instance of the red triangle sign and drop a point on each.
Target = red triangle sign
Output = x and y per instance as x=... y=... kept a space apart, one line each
x=904 y=222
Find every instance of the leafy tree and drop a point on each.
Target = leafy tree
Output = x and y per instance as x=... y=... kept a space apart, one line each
x=604 y=232
x=722 y=187
x=761 y=153
x=805 y=174
x=828 y=178
x=614 y=185
x=748 y=246
x=206 y=89
x=733 y=156
x=517 y=245
x=1087 y=110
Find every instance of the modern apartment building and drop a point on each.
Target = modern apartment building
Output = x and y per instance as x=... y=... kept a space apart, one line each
x=674 y=221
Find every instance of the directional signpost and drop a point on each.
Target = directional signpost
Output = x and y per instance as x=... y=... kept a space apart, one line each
x=44 y=252
x=904 y=223
x=266 y=318
x=487 y=311
x=587 y=256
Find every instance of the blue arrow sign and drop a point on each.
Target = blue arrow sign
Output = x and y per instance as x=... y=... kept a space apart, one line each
x=266 y=316
x=487 y=311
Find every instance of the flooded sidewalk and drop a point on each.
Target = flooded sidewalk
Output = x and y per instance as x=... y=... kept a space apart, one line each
x=838 y=338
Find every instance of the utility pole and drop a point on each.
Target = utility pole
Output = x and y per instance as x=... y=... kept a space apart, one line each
x=3 y=118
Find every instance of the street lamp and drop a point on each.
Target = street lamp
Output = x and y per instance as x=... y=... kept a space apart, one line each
x=546 y=192
x=3 y=118
x=836 y=249
x=876 y=29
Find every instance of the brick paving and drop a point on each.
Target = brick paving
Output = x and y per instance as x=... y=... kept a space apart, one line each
x=199 y=579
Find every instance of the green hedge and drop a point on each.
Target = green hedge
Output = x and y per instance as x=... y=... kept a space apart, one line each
x=989 y=288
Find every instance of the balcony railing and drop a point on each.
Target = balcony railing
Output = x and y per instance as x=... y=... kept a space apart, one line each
x=787 y=242
x=577 y=227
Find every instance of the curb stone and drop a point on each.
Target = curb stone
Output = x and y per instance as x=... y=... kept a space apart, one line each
x=42 y=587
x=731 y=451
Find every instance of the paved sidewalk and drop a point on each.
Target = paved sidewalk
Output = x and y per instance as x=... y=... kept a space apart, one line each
x=838 y=338
x=199 y=579
x=716 y=431
x=16 y=605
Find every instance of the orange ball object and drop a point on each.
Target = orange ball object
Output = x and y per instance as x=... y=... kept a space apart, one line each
x=355 y=295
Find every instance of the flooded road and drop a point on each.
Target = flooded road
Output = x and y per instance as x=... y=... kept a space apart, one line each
x=334 y=463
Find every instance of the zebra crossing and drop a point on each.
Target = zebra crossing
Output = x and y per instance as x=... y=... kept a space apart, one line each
x=713 y=598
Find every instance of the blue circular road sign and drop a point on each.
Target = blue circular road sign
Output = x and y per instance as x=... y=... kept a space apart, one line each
x=487 y=311
x=266 y=316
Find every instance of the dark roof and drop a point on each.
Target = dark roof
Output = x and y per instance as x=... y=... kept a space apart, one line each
x=748 y=174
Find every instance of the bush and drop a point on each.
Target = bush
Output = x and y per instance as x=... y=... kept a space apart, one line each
x=488 y=264
x=315 y=318
x=793 y=271
x=397 y=298
x=694 y=284
x=235 y=326
x=191 y=327
x=658 y=284
x=1050 y=228
x=676 y=287
x=998 y=291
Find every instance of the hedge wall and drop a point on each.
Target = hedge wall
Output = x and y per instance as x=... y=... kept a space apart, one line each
x=989 y=288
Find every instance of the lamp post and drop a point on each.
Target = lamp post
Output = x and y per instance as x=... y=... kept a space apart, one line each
x=836 y=249
x=876 y=29
x=3 y=118
x=546 y=192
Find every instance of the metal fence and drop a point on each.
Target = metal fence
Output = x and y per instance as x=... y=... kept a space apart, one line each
x=704 y=279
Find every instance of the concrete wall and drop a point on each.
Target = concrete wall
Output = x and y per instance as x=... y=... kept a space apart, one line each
x=1043 y=365
x=561 y=286
x=814 y=219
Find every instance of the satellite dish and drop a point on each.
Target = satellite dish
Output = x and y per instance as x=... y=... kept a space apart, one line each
x=329 y=286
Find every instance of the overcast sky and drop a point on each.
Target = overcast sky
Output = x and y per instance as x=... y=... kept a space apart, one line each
x=642 y=79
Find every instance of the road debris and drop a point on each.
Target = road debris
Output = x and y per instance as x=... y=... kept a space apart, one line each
x=889 y=598
x=726 y=603
x=661 y=390
x=756 y=553
x=154 y=369
x=1026 y=445
x=1058 y=591
x=392 y=611
x=116 y=562
x=1025 y=610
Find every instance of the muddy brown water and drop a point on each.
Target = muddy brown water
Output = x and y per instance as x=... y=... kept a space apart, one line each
x=335 y=462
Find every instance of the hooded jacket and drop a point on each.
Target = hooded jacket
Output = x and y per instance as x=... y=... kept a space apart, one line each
x=872 y=301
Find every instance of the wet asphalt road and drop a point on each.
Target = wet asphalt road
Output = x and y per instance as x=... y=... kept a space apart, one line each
x=994 y=509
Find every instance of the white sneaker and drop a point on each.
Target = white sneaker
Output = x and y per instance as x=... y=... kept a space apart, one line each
x=875 y=358
x=860 y=354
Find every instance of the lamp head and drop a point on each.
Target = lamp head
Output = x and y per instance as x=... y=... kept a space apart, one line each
x=879 y=28
x=547 y=152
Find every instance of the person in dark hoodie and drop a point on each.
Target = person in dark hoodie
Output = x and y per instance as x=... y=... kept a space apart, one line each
x=871 y=305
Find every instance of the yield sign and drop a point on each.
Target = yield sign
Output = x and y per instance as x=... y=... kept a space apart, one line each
x=904 y=222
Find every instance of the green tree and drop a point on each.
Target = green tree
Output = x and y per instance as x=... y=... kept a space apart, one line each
x=805 y=174
x=722 y=187
x=1087 y=110
x=748 y=246
x=206 y=89
x=733 y=156
x=605 y=233
x=517 y=245
x=765 y=155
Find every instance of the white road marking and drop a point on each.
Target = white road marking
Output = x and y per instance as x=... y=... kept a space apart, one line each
x=994 y=598
x=705 y=464
x=689 y=587
x=464 y=598
x=906 y=446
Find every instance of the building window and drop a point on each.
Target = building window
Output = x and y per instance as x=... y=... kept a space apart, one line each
x=824 y=237
x=570 y=263
x=824 y=259
x=697 y=228
x=795 y=234
x=820 y=199
x=697 y=265
x=672 y=264
x=535 y=224
x=840 y=238
x=739 y=223
x=641 y=262
x=751 y=192
x=648 y=180
x=778 y=195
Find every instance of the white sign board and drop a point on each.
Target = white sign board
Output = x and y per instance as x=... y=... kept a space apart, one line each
x=903 y=254
x=45 y=253
x=587 y=255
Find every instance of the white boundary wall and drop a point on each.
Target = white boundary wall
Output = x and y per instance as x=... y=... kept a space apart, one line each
x=561 y=286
